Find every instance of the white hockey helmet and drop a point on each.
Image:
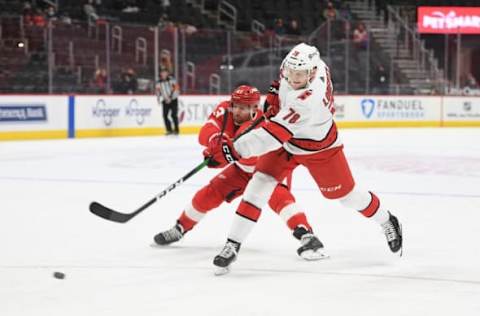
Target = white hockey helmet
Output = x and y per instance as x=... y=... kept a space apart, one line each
x=302 y=57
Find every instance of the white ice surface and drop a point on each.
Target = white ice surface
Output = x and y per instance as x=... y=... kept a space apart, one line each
x=430 y=178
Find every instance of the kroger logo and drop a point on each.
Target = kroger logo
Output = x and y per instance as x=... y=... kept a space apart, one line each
x=109 y=113
x=133 y=109
x=368 y=105
x=106 y=113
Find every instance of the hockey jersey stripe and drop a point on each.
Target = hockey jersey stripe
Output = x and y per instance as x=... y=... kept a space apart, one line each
x=316 y=145
x=372 y=208
x=280 y=132
x=279 y=140
x=248 y=211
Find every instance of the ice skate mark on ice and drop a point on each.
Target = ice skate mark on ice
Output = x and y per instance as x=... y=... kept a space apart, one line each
x=424 y=165
x=243 y=270
x=193 y=185
x=99 y=181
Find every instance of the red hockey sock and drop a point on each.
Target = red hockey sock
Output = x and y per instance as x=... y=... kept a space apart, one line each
x=372 y=208
x=298 y=219
x=186 y=222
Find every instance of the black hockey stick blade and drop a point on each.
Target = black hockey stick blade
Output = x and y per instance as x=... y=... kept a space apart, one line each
x=115 y=216
x=109 y=214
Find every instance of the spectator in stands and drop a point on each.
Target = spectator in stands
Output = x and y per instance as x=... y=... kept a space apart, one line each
x=293 y=28
x=360 y=37
x=345 y=12
x=470 y=82
x=100 y=80
x=65 y=18
x=162 y=21
x=39 y=18
x=27 y=13
x=330 y=13
x=188 y=29
x=166 y=60
x=381 y=7
x=279 y=27
x=51 y=14
x=128 y=82
x=170 y=27
x=130 y=6
x=90 y=10
x=27 y=8
x=165 y=5
x=167 y=92
x=380 y=80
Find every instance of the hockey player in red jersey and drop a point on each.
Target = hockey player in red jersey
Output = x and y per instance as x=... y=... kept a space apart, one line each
x=228 y=120
x=303 y=132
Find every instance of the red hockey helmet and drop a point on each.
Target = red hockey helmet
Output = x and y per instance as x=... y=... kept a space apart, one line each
x=246 y=95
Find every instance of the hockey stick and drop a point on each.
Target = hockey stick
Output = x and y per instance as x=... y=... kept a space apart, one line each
x=115 y=216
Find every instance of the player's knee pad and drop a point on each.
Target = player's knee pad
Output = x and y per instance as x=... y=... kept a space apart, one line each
x=260 y=189
x=280 y=198
x=206 y=199
x=356 y=199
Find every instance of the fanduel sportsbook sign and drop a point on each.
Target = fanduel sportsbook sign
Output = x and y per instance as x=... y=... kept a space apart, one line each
x=445 y=20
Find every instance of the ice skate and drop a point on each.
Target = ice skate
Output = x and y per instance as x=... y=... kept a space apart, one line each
x=167 y=237
x=226 y=257
x=312 y=248
x=393 y=232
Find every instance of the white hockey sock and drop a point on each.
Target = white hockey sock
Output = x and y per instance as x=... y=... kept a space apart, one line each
x=367 y=204
x=256 y=195
x=193 y=214
x=259 y=189
x=241 y=228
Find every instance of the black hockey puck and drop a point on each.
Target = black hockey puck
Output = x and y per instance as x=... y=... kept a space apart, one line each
x=59 y=275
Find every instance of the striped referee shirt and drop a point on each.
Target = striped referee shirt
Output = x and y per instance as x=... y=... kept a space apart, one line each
x=167 y=88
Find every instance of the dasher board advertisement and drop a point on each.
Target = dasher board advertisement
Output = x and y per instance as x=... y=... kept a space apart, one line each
x=31 y=117
x=449 y=20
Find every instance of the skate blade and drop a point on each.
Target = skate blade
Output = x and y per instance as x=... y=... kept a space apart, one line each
x=155 y=245
x=221 y=271
x=311 y=255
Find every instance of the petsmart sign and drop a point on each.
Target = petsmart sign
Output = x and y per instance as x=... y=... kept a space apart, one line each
x=449 y=20
x=33 y=117
x=117 y=116
x=388 y=111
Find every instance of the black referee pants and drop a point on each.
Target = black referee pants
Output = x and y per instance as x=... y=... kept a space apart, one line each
x=172 y=110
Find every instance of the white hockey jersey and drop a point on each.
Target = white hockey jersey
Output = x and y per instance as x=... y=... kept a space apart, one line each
x=304 y=124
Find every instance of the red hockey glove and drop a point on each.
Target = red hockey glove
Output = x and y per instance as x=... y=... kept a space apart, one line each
x=272 y=103
x=215 y=141
x=221 y=154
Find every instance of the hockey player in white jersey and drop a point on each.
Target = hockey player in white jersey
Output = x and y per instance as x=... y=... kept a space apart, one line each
x=303 y=132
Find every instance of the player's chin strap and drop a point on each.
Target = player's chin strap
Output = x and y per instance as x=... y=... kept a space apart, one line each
x=253 y=114
x=224 y=123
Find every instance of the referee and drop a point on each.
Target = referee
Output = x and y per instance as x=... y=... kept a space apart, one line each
x=167 y=91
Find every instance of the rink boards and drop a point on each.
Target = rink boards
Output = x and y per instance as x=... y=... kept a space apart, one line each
x=75 y=116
